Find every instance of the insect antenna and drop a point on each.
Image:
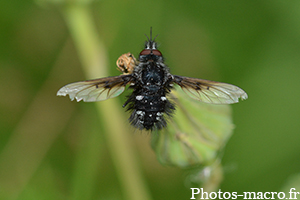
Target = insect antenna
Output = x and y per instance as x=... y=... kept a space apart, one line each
x=147 y=37
x=155 y=38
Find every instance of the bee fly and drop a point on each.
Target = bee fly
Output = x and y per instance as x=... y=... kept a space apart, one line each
x=151 y=82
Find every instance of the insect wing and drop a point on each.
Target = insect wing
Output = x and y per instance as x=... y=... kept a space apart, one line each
x=97 y=89
x=210 y=91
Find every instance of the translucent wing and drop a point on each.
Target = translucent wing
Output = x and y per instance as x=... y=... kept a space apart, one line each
x=97 y=89
x=210 y=91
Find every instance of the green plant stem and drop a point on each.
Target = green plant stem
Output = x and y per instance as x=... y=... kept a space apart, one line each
x=93 y=57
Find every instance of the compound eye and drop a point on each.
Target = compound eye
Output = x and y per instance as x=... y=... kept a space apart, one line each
x=156 y=52
x=148 y=52
x=145 y=52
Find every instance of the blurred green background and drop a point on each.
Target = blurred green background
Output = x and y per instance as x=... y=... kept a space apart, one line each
x=52 y=148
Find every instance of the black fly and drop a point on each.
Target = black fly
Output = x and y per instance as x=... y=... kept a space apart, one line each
x=151 y=82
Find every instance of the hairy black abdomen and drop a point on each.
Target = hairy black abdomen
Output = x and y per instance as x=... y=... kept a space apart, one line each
x=149 y=111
